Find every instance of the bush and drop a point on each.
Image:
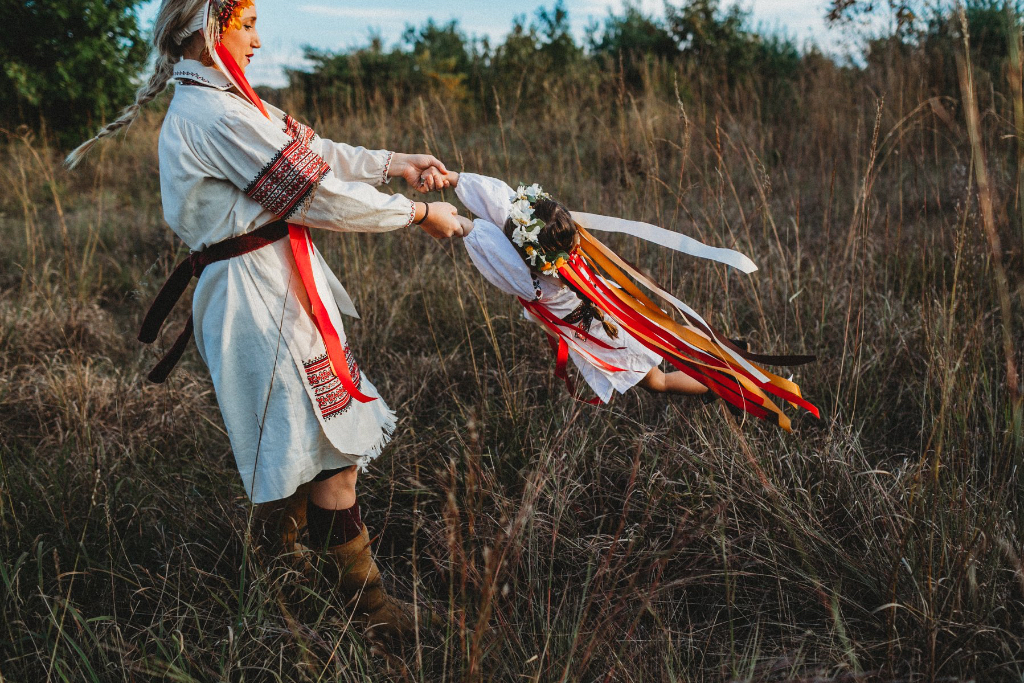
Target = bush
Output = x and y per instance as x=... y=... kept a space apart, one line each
x=68 y=64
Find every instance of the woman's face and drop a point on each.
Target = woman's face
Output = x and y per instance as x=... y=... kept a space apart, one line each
x=242 y=43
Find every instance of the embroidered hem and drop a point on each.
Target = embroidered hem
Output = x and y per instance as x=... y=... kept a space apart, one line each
x=331 y=397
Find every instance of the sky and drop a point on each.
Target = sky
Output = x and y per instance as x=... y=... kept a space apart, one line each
x=287 y=25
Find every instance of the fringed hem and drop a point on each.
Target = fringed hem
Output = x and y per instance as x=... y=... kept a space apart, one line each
x=388 y=428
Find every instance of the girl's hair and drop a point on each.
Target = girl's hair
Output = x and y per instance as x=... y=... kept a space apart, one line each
x=559 y=234
x=174 y=16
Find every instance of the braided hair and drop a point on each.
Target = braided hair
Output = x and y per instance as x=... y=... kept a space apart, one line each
x=172 y=20
x=559 y=234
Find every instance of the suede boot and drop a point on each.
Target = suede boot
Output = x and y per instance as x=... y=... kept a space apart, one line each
x=360 y=582
x=283 y=522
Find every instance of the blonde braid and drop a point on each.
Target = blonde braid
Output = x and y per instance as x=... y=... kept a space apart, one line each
x=174 y=16
x=157 y=84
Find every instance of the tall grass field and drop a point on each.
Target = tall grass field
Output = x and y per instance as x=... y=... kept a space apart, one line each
x=650 y=539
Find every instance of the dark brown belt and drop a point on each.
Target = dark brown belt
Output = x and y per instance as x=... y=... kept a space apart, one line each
x=193 y=267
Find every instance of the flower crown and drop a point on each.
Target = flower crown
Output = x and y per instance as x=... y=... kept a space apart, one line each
x=526 y=234
x=229 y=13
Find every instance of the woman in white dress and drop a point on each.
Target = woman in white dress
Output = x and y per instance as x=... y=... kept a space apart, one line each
x=242 y=182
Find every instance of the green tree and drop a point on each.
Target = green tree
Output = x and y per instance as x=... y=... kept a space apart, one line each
x=634 y=34
x=68 y=64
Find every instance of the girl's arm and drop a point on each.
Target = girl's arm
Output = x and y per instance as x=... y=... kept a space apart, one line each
x=497 y=260
x=488 y=198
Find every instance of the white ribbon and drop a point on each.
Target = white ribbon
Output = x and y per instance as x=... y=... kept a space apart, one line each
x=665 y=238
x=197 y=23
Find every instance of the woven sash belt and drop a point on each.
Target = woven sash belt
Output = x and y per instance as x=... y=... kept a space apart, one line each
x=193 y=267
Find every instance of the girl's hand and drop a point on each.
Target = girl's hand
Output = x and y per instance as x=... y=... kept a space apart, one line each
x=424 y=172
x=452 y=178
x=440 y=221
x=464 y=223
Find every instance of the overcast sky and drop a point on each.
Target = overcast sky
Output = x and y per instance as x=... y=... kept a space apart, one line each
x=287 y=25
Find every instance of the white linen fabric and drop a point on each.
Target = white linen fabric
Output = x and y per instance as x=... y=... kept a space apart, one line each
x=225 y=170
x=498 y=261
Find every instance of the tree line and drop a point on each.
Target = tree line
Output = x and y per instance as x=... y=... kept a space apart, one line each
x=69 y=65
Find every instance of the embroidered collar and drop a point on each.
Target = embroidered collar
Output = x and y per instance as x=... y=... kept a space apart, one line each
x=193 y=70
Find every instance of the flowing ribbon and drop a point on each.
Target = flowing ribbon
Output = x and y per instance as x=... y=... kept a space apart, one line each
x=556 y=331
x=666 y=238
x=693 y=348
x=325 y=318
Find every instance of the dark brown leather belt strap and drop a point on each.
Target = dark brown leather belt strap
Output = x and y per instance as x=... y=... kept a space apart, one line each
x=177 y=283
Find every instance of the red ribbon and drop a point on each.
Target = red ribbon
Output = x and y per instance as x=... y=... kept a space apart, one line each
x=579 y=274
x=302 y=247
x=554 y=325
x=239 y=78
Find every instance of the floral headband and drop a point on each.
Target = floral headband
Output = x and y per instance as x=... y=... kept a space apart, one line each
x=225 y=15
x=526 y=234
x=229 y=14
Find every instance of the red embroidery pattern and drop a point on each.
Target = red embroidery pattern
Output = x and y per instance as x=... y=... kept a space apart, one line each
x=331 y=397
x=288 y=179
x=298 y=131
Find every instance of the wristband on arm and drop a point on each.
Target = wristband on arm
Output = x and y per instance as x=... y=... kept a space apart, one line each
x=426 y=212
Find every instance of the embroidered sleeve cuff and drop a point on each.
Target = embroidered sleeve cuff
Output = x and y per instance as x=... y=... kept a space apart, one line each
x=386 y=176
x=412 y=213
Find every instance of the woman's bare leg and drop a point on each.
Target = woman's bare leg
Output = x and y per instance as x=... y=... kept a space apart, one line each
x=658 y=382
x=336 y=493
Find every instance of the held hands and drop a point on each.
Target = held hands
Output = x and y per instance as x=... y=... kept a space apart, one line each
x=424 y=172
x=427 y=173
x=438 y=219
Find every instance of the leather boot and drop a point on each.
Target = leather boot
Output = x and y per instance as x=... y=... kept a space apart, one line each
x=284 y=521
x=359 y=580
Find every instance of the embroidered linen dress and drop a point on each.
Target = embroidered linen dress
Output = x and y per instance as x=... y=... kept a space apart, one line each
x=498 y=261
x=225 y=170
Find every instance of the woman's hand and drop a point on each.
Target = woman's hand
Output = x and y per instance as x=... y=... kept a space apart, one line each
x=438 y=219
x=424 y=172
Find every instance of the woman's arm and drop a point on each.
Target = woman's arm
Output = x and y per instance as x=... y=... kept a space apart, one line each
x=293 y=182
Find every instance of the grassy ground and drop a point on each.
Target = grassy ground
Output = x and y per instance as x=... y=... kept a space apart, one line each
x=651 y=539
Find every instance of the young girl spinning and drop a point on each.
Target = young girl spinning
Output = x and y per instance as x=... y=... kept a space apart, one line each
x=578 y=290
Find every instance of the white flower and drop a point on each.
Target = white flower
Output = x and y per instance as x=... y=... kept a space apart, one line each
x=521 y=212
x=519 y=237
x=532 y=192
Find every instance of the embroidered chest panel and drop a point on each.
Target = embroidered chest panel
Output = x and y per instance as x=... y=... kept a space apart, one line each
x=331 y=397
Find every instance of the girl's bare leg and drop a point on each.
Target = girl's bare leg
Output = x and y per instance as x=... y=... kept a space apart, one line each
x=658 y=382
x=336 y=493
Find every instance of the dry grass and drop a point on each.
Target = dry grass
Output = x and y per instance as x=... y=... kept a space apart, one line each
x=651 y=539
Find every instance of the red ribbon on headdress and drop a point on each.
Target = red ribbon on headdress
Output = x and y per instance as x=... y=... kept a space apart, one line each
x=302 y=248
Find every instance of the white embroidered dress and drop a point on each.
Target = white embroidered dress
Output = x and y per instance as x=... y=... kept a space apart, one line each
x=225 y=170
x=498 y=261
